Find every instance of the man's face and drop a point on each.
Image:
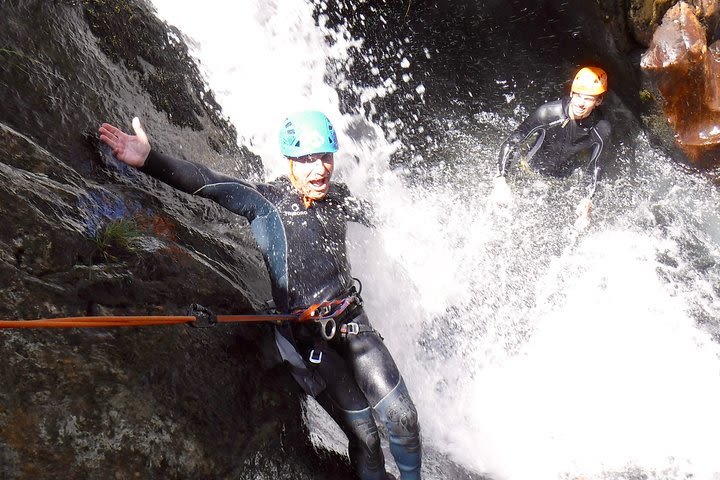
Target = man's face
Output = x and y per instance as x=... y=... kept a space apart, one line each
x=312 y=174
x=582 y=105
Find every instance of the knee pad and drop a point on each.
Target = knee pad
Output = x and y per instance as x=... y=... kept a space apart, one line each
x=399 y=414
x=398 y=411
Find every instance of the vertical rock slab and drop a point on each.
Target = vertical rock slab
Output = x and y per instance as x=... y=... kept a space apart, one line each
x=644 y=16
x=685 y=72
x=712 y=65
x=153 y=403
x=122 y=403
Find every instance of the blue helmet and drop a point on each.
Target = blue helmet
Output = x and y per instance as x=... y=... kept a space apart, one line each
x=307 y=132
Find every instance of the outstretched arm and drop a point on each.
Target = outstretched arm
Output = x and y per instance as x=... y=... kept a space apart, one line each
x=593 y=169
x=539 y=119
x=237 y=196
x=355 y=209
x=135 y=150
x=507 y=151
x=501 y=194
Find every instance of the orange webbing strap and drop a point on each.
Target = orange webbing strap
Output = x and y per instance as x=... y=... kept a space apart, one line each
x=326 y=309
x=327 y=314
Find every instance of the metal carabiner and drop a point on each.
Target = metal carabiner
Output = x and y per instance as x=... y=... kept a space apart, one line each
x=328 y=327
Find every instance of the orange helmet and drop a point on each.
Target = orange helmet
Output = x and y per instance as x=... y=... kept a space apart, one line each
x=590 y=81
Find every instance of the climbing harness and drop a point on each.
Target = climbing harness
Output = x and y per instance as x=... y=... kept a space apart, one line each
x=353 y=328
x=333 y=313
x=330 y=314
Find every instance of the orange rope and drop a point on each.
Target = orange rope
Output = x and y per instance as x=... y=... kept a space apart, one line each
x=306 y=315
x=70 y=322
x=135 y=321
x=257 y=318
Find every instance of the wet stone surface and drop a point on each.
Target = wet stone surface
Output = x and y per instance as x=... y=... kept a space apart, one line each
x=685 y=71
x=82 y=235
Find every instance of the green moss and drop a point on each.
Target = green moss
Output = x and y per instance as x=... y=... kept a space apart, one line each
x=646 y=96
x=115 y=238
x=655 y=122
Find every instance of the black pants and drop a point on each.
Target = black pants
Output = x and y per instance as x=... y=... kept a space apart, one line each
x=361 y=376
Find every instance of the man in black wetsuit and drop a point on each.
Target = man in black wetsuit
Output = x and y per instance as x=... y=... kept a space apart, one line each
x=563 y=136
x=299 y=223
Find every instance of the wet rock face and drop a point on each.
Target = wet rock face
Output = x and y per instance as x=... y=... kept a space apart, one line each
x=686 y=72
x=645 y=16
x=69 y=65
x=84 y=235
x=457 y=58
x=153 y=402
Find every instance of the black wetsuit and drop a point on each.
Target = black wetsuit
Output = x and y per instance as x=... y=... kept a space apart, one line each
x=560 y=145
x=304 y=250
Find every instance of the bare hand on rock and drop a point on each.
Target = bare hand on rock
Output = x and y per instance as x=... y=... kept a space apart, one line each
x=130 y=149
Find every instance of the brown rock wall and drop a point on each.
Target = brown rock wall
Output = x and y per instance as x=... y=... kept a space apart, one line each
x=685 y=71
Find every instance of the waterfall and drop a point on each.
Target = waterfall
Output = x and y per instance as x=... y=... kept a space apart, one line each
x=531 y=350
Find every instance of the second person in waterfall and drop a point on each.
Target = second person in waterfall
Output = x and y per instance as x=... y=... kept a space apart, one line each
x=561 y=138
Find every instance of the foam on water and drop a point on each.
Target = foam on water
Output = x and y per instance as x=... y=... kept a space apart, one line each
x=616 y=374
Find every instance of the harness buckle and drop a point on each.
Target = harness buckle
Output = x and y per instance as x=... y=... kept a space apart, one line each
x=350 y=328
x=315 y=356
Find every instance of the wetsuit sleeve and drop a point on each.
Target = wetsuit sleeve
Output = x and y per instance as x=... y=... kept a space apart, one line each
x=182 y=174
x=359 y=210
x=240 y=197
x=529 y=126
x=602 y=135
x=355 y=209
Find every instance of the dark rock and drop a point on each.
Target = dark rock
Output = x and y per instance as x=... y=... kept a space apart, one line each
x=645 y=16
x=155 y=402
x=84 y=235
x=469 y=55
x=77 y=64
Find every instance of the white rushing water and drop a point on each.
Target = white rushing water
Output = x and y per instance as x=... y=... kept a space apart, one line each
x=531 y=352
